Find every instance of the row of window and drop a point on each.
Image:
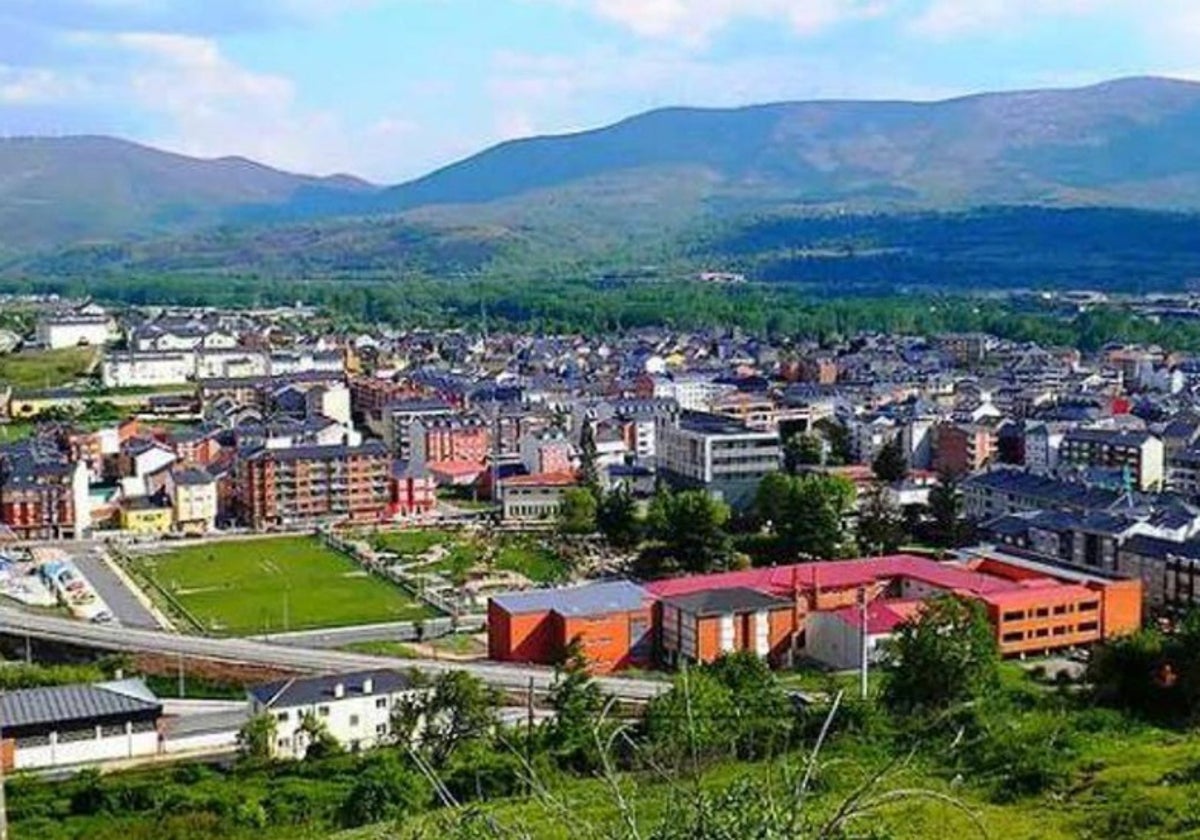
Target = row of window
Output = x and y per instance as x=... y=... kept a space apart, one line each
x=1045 y=612
x=1047 y=632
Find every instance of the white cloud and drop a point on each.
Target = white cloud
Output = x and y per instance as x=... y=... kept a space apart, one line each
x=694 y=21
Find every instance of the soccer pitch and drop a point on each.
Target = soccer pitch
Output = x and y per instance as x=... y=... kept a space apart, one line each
x=251 y=587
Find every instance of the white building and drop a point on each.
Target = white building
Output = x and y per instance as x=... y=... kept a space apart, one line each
x=834 y=638
x=692 y=393
x=356 y=709
x=721 y=456
x=79 y=726
x=61 y=331
x=147 y=370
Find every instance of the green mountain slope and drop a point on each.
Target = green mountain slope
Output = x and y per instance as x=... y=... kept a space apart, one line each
x=71 y=189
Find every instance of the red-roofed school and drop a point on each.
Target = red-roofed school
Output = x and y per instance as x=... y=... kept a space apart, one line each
x=808 y=609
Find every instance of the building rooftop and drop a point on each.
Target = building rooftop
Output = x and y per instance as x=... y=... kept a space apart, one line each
x=67 y=703
x=589 y=599
x=311 y=690
x=735 y=599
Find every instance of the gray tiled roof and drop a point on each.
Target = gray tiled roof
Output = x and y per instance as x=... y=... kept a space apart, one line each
x=61 y=704
x=313 y=690
x=590 y=599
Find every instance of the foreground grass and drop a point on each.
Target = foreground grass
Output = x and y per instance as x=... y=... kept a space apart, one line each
x=246 y=587
x=1143 y=784
x=42 y=369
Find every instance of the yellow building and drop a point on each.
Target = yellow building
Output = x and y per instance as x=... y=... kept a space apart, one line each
x=141 y=516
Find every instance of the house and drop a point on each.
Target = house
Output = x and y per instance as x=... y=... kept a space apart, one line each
x=414 y=491
x=145 y=515
x=73 y=330
x=43 y=494
x=193 y=493
x=533 y=498
x=78 y=725
x=355 y=708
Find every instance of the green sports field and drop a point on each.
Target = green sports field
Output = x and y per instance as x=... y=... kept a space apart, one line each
x=246 y=587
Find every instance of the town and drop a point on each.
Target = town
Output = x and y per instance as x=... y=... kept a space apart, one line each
x=257 y=532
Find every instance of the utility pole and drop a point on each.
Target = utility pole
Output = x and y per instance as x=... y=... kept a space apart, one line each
x=863 y=652
x=179 y=670
x=3 y=798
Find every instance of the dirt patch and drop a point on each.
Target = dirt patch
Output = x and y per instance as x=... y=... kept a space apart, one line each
x=230 y=673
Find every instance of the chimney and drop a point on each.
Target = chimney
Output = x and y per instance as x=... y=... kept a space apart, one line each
x=368 y=685
x=339 y=691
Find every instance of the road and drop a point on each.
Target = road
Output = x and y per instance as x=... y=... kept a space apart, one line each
x=125 y=606
x=130 y=639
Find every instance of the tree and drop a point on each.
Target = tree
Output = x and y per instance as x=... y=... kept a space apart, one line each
x=838 y=436
x=806 y=513
x=617 y=519
x=384 y=790
x=689 y=725
x=576 y=699
x=763 y=716
x=256 y=738
x=946 y=655
x=890 y=465
x=589 y=470
x=459 y=708
x=945 y=508
x=321 y=743
x=880 y=523
x=802 y=450
x=577 y=515
x=691 y=527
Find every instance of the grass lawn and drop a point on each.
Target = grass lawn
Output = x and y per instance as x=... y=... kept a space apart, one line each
x=43 y=369
x=399 y=650
x=412 y=543
x=241 y=588
x=540 y=565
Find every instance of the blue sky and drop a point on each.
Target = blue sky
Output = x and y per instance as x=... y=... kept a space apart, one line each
x=390 y=89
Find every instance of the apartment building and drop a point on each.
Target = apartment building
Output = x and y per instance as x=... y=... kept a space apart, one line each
x=306 y=485
x=397 y=420
x=356 y=708
x=722 y=456
x=534 y=498
x=961 y=449
x=453 y=439
x=193 y=493
x=1137 y=454
x=43 y=494
x=1003 y=492
x=74 y=330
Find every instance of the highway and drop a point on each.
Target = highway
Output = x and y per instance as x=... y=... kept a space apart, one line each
x=128 y=639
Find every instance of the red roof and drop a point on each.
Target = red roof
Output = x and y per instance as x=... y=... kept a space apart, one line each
x=1065 y=593
x=841 y=574
x=554 y=479
x=882 y=616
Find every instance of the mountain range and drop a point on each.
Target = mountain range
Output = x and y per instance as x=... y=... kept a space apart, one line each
x=1128 y=143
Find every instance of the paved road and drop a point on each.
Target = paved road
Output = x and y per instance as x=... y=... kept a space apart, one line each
x=125 y=606
x=512 y=677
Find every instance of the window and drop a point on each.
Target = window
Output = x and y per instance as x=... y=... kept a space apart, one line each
x=1042 y=632
x=381 y=703
x=1089 y=606
x=1018 y=615
x=1061 y=609
x=1013 y=637
x=381 y=729
x=323 y=711
x=1060 y=630
x=1043 y=612
x=354 y=720
x=282 y=717
x=1088 y=626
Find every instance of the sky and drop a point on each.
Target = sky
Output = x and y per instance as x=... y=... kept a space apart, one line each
x=391 y=89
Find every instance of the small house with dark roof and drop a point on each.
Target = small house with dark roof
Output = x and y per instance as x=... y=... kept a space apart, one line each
x=78 y=725
x=355 y=708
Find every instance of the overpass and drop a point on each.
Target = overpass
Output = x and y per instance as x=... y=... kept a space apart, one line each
x=509 y=677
